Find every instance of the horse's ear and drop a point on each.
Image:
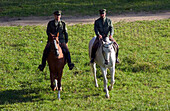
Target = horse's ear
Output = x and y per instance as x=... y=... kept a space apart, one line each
x=58 y=34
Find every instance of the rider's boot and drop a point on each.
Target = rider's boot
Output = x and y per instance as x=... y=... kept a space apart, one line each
x=44 y=57
x=115 y=45
x=93 y=53
x=70 y=64
x=42 y=65
x=94 y=49
x=117 y=61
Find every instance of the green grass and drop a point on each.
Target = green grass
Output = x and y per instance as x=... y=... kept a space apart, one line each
x=142 y=78
x=12 y=8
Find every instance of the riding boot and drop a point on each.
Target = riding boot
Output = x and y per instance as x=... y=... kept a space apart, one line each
x=70 y=65
x=93 y=54
x=44 y=57
x=94 y=49
x=43 y=63
x=117 y=56
x=116 y=46
x=67 y=55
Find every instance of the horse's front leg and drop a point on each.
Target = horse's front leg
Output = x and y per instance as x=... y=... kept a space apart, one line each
x=112 y=73
x=94 y=73
x=104 y=71
x=59 y=83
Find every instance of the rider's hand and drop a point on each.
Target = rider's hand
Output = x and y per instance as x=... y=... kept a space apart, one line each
x=52 y=35
x=100 y=37
x=111 y=38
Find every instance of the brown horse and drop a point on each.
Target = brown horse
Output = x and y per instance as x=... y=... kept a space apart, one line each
x=56 y=62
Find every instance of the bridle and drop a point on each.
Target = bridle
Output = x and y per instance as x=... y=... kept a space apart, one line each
x=107 y=47
x=55 y=41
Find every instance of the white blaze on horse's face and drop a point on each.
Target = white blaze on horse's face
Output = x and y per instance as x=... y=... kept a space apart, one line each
x=55 y=45
x=56 y=49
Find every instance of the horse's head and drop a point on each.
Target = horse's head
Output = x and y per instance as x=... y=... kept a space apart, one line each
x=55 y=43
x=107 y=48
x=54 y=37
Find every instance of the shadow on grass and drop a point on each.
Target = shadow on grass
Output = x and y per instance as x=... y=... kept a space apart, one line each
x=18 y=96
x=84 y=95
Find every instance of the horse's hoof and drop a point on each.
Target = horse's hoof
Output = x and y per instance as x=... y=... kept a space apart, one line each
x=52 y=87
x=107 y=96
x=59 y=99
x=110 y=88
x=61 y=89
x=96 y=85
x=55 y=88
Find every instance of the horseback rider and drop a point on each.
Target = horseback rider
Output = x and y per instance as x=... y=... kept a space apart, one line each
x=103 y=28
x=53 y=27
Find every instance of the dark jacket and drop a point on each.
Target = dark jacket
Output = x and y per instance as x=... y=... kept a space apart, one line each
x=105 y=29
x=61 y=28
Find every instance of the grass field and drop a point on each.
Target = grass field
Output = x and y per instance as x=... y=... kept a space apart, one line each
x=12 y=8
x=142 y=78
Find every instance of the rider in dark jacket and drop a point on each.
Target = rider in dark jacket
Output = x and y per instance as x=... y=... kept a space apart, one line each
x=103 y=27
x=53 y=27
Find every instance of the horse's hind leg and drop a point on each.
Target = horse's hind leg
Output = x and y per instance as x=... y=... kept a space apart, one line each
x=112 y=73
x=94 y=73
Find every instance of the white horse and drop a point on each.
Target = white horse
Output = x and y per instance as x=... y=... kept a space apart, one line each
x=105 y=58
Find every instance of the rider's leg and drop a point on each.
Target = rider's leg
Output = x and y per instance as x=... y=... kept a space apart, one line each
x=68 y=57
x=117 y=51
x=94 y=49
x=44 y=57
x=117 y=61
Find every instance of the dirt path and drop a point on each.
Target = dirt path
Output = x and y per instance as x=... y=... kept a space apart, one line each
x=81 y=20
